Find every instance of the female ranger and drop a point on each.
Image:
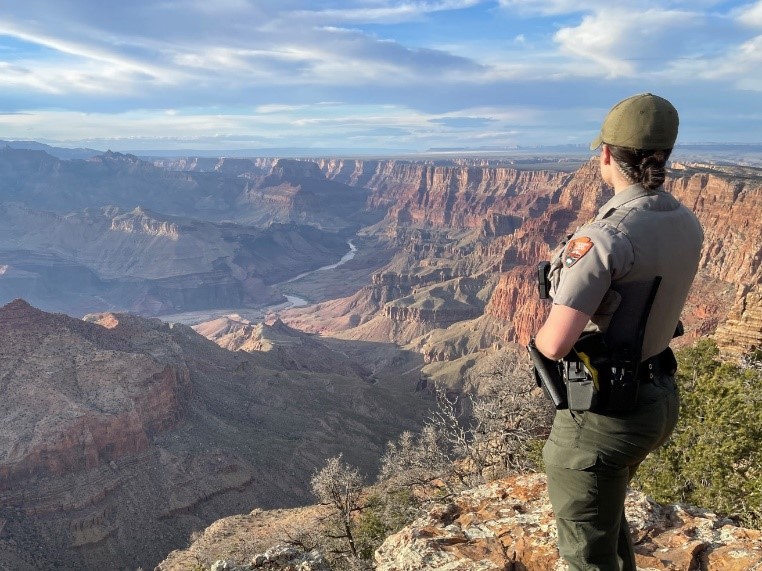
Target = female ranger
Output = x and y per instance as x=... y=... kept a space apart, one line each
x=625 y=275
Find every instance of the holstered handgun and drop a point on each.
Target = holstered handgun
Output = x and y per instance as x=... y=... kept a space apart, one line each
x=547 y=374
x=603 y=380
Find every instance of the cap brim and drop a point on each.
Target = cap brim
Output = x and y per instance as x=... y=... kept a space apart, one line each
x=597 y=142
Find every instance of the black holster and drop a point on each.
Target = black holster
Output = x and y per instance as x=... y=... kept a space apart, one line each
x=547 y=374
x=599 y=380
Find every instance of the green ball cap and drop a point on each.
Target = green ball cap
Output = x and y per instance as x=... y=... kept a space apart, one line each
x=644 y=121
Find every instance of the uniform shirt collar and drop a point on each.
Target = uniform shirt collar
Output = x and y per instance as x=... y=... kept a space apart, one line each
x=621 y=198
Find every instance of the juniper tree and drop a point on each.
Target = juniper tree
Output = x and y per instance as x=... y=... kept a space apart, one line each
x=339 y=485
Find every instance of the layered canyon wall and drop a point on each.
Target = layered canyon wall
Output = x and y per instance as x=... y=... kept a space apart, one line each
x=521 y=216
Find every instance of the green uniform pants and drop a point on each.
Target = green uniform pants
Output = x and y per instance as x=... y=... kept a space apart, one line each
x=589 y=459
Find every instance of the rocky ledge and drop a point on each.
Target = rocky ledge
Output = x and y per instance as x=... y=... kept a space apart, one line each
x=508 y=525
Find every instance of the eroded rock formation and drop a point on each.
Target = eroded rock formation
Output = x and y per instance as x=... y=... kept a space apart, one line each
x=149 y=262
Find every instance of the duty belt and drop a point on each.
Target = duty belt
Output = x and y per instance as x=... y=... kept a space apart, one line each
x=662 y=364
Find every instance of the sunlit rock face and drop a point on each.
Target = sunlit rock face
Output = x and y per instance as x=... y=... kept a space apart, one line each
x=523 y=216
x=519 y=217
x=508 y=524
x=75 y=397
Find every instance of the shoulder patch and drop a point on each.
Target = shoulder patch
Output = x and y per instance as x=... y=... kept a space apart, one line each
x=576 y=249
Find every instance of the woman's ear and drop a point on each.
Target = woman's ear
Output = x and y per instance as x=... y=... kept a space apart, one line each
x=605 y=154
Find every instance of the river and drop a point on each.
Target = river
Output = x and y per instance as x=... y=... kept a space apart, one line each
x=255 y=314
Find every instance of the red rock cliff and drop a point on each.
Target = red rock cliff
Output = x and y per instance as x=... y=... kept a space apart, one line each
x=523 y=216
x=728 y=209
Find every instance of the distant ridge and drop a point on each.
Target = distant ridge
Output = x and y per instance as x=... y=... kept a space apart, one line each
x=58 y=152
x=280 y=152
x=745 y=147
x=365 y=153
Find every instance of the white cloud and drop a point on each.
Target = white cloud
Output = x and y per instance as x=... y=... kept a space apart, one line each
x=739 y=67
x=382 y=12
x=236 y=67
x=549 y=7
x=750 y=15
x=626 y=8
x=624 y=46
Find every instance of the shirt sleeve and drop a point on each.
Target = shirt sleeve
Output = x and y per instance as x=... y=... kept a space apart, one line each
x=596 y=255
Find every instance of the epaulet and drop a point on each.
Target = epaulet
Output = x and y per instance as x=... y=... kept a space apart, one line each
x=616 y=216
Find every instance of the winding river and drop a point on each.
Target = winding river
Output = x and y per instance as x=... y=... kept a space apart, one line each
x=256 y=314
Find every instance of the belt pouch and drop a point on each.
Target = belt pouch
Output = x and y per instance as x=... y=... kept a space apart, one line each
x=580 y=389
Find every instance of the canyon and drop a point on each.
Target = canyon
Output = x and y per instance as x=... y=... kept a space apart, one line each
x=117 y=233
x=120 y=430
x=120 y=436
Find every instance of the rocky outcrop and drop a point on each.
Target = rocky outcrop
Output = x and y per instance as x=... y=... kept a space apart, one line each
x=515 y=302
x=292 y=349
x=256 y=538
x=141 y=222
x=742 y=330
x=438 y=317
x=508 y=524
x=279 y=558
x=440 y=304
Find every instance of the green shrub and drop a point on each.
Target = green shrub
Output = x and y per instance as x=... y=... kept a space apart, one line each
x=384 y=513
x=714 y=458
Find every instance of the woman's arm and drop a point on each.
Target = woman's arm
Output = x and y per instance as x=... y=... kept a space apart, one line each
x=560 y=331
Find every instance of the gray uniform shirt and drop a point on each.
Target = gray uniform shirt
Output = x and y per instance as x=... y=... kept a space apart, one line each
x=608 y=266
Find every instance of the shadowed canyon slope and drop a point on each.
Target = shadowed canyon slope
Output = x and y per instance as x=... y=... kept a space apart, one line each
x=239 y=190
x=120 y=436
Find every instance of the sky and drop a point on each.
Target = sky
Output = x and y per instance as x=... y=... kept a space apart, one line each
x=370 y=74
